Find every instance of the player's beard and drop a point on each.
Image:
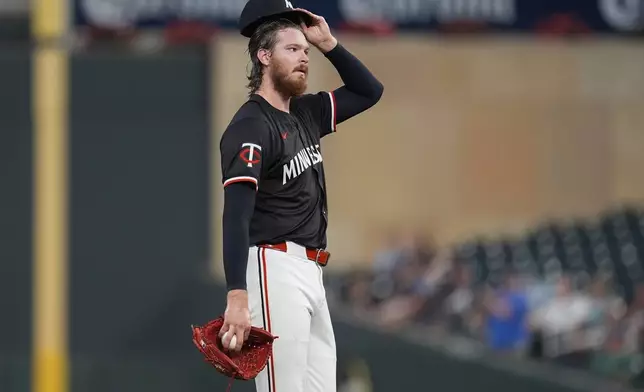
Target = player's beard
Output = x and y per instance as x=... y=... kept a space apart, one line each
x=289 y=82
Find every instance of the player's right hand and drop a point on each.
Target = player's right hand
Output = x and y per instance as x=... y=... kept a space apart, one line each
x=236 y=320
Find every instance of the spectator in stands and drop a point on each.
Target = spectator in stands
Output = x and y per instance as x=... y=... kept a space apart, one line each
x=389 y=254
x=386 y=261
x=620 y=356
x=607 y=307
x=562 y=324
x=564 y=319
x=358 y=293
x=459 y=306
x=408 y=296
x=436 y=273
x=408 y=290
x=565 y=312
x=506 y=313
x=398 y=266
x=439 y=281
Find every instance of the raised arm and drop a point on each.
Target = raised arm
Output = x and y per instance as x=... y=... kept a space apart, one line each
x=361 y=88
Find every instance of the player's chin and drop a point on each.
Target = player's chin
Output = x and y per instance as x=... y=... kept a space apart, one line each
x=300 y=90
x=298 y=85
x=299 y=78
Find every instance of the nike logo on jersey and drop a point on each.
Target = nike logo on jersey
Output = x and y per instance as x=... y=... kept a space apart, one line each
x=284 y=135
x=303 y=160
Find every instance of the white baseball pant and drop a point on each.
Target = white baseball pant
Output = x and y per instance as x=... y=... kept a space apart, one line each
x=286 y=296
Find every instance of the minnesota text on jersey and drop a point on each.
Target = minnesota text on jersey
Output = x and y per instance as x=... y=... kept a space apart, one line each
x=304 y=159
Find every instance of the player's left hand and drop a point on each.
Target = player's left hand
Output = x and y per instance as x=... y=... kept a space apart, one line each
x=319 y=33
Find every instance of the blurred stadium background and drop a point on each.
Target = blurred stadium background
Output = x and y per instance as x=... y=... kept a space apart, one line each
x=487 y=217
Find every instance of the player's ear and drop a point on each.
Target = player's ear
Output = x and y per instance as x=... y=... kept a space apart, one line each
x=264 y=56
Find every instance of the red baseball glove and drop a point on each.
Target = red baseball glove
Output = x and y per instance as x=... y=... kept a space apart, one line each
x=242 y=365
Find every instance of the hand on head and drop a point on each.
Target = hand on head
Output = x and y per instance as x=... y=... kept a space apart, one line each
x=318 y=33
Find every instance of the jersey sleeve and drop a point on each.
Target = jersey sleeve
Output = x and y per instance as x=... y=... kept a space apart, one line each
x=322 y=108
x=245 y=148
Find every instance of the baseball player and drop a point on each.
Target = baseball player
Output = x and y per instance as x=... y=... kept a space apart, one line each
x=275 y=203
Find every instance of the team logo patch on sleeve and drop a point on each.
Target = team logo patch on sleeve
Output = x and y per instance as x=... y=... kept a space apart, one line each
x=251 y=154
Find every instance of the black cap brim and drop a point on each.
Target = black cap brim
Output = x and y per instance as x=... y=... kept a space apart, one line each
x=295 y=16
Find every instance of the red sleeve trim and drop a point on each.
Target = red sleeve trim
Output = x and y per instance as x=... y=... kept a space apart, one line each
x=333 y=111
x=241 y=179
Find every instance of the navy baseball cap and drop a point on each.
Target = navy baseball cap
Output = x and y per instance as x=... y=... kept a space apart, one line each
x=256 y=12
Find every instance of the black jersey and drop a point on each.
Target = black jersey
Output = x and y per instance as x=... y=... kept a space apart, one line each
x=280 y=153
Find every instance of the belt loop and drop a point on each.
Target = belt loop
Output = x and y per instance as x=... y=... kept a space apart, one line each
x=317 y=256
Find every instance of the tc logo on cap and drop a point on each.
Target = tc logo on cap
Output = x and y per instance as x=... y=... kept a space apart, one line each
x=288 y=4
